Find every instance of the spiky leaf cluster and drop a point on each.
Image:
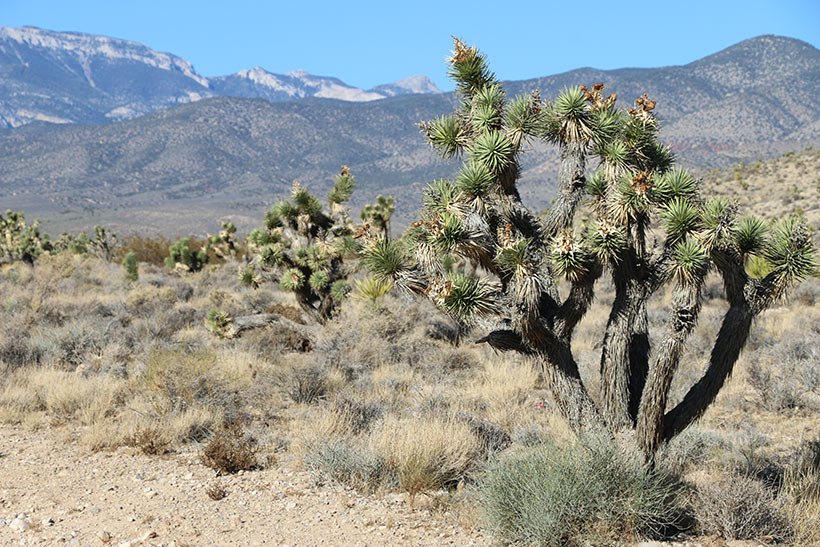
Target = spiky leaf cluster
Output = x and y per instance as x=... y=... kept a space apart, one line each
x=378 y=214
x=223 y=244
x=181 y=257
x=20 y=241
x=303 y=248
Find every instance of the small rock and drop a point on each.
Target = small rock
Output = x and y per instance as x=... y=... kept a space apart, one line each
x=104 y=536
x=290 y=506
x=47 y=522
x=146 y=535
x=19 y=525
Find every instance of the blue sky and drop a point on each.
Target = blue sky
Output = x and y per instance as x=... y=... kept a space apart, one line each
x=369 y=43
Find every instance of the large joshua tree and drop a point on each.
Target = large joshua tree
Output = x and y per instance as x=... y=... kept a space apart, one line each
x=645 y=225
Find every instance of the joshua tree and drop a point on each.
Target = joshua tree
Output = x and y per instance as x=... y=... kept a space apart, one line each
x=19 y=241
x=647 y=226
x=101 y=246
x=303 y=247
x=182 y=258
x=223 y=244
x=378 y=214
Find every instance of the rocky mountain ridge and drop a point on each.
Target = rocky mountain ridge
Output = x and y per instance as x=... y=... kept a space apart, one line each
x=71 y=77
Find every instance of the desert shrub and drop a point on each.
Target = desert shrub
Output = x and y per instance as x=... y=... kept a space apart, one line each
x=152 y=250
x=16 y=350
x=740 y=507
x=427 y=453
x=359 y=415
x=580 y=492
x=786 y=374
x=690 y=447
x=308 y=384
x=151 y=439
x=184 y=379
x=129 y=264
x=339 y=460
x=801 y=485
x=230 y=451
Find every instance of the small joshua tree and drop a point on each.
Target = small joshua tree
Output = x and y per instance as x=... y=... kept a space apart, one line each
x=304 y=247
x=19 y=241
x=647 y=226
x=102 y=246
x=378 y=214
x=182 y=258
x=223 y=243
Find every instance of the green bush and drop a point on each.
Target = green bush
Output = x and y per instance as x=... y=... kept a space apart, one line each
x=129 y=262
x=582 y=492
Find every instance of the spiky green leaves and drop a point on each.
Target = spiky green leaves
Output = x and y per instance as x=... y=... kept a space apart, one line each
x=292 y=280
x=448 y=233
x=469 y=69
x=283 y=210
x=440 y=197
x=306 y=203
x=474 y=180
x=673 y=184
x=597 y=185
x=689 y=260
x=463 y=297
x=515 y=255
x=605 y=240
x=218 y=321
x=384 y=258
x=343 y=187
x=569 y=120
x=718 y=217
x=750 y=235
x=446 y=135
x=339 y=289
x=524 y=118
x=248 y=277
x=318 y=280
x=493 y=150
x=790 y=253
x=371 y=288
x=680 y=218
x=272 y=255
x=487 y=106
x=568 y=256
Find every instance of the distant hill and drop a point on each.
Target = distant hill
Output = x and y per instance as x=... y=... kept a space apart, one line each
x=71 y=77
x=183 y=168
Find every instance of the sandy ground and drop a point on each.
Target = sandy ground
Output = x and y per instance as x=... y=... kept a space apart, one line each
x=53 y=492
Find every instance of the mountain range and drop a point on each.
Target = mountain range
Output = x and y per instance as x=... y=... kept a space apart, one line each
x=144 y=142
x=70 y=77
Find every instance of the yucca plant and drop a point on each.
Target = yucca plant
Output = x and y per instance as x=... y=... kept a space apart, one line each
x=20 y=241
x=378 y=214
x=304 y=248
x=223 y=244
x=181 y=258
x=370 y=288
x=599 y=223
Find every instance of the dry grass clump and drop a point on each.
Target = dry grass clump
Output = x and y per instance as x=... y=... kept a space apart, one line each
x=740 y=507
x=425 y=453
x=231 y=450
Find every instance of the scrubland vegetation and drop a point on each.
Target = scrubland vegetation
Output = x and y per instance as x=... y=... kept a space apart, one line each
x=383 y=401
x=468 y=364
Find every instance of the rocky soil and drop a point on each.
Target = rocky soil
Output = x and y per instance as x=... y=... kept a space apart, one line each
x=53 y=492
